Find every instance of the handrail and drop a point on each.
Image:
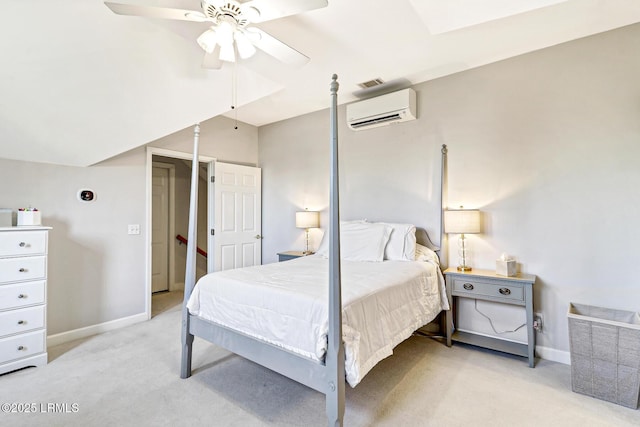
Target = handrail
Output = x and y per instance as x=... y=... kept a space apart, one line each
x=182 y=239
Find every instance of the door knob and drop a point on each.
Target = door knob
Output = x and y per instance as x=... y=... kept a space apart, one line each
x=257 y=236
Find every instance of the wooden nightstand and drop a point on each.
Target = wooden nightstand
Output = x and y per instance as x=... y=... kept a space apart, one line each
x=286 y=256
x=486 y=285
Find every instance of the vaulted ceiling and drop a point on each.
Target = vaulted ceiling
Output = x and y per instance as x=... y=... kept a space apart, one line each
x=79 y=84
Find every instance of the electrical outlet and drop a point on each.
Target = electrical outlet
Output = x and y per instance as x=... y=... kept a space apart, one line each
x=538 y=322
x=133 y=229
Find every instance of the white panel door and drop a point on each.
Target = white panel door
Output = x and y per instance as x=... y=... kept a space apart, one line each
x=237 y=240
x=160 y=229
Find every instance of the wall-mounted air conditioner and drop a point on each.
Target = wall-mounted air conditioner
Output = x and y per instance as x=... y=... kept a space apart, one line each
x=382 y=110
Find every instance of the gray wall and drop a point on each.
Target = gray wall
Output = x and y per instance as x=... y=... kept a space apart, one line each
x=545 y=144
x=97 y=270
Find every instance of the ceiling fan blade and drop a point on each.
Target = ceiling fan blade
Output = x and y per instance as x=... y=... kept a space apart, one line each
x=273 y=9
x=212 y=60
x=156 y=12
x=274 y=47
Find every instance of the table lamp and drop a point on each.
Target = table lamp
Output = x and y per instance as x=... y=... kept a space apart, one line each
x=307 y=220
x=462 y=221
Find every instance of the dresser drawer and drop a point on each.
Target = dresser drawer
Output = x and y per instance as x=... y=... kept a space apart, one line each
x=24 y=345
x=21 y=320
x=478 y=289
x=22 y=294
x=23 y=269
x=21 y=243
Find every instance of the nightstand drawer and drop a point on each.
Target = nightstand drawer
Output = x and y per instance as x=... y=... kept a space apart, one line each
x=22 y=294
x=23 y=269
x=23 y=243
x=479 y=289
x=22 y=320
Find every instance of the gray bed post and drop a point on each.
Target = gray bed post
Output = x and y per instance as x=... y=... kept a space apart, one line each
x=444 y=249
x=334 y=361
x=190 y=275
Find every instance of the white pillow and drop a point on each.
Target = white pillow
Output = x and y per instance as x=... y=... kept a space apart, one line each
x=402 y=243
x=323 y=247
x=425 y=254
x=360 y=241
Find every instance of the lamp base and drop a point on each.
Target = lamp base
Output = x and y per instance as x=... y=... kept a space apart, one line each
x=464 y=268
x=307 y=253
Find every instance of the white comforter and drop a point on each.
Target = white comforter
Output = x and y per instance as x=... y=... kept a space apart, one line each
x=286 y=304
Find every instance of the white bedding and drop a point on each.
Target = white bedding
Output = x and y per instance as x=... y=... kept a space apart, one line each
x=286 y=304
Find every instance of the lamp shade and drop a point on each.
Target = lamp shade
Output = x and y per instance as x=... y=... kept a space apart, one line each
x=462 y=221
x=208 y=40
x=307 y=219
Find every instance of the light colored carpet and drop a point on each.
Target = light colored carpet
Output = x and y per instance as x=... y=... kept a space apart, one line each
x=130 y=377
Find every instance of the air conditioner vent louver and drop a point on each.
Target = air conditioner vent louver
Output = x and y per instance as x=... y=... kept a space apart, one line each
x=382 y=110
x=383 y=119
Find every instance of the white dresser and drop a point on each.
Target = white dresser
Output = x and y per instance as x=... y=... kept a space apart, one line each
x=23 y=297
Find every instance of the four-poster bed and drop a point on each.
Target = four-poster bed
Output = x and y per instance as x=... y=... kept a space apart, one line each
x=407 y=295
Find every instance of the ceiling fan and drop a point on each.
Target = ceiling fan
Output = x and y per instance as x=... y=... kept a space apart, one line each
x=230 y=34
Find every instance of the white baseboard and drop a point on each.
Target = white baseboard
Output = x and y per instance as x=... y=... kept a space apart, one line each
x=553 y=355
x=100 y=328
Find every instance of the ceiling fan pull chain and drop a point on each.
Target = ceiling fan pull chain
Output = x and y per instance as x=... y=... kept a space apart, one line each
x=234 y=94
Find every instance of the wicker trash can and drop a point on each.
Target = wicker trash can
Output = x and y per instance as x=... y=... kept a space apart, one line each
x=605 y=353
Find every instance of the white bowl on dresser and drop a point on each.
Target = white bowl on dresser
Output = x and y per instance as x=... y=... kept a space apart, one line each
x=23 y=297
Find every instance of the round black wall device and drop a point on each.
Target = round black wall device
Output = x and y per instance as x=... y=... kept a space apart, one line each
x=86 y=195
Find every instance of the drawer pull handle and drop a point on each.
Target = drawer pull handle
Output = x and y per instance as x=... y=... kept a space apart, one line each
x=21 y=322
x=468 y=286
x=505 y=291
x=22 y=296
x=22 y=244
x=23 y=270
x=21 y=348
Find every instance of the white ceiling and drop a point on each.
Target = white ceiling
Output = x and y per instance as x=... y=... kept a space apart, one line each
x=79 y=84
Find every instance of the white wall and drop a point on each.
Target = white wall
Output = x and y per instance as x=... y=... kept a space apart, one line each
x=545 y=144
x=97 y=270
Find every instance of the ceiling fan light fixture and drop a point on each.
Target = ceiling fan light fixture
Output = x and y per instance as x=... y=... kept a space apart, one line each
x=225 y=33
x=227 y=53
x=230 y=35
x=208 y=40
x=245 y=47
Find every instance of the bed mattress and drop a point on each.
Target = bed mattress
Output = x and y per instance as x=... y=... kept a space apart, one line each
x=286 y=304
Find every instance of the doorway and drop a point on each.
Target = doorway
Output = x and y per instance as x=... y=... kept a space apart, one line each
x=229 y=222
x=162 y=225
x=168 y=193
